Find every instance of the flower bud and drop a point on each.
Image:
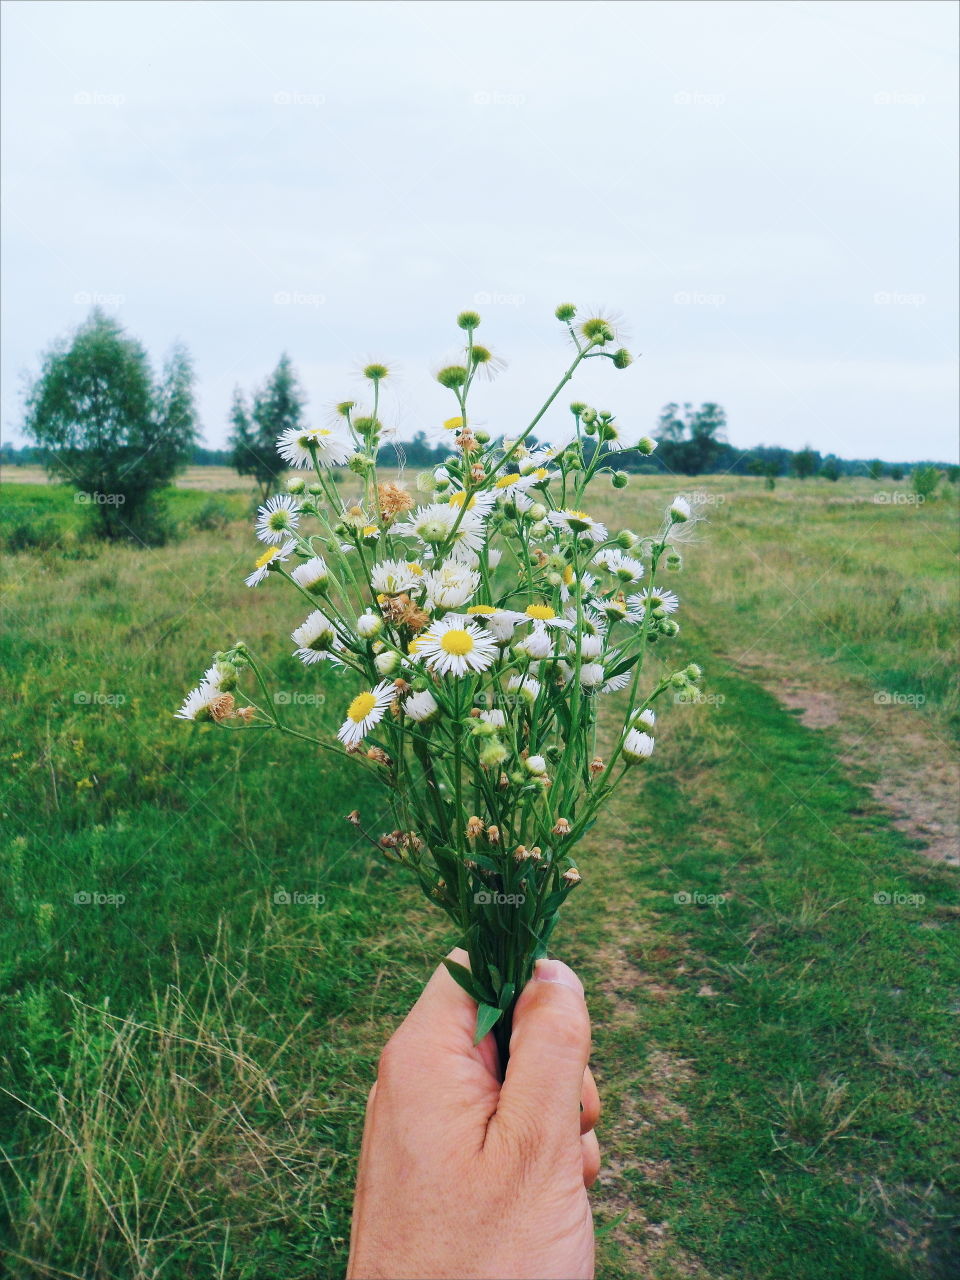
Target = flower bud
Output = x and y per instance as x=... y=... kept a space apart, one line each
x=620 y=480
x=693 y=672
x=565 y=312
x=387 y=662
x=622 y=358
x=537 y=512
x=637 y=746
x=679 y=510
x=646 y=446
x=452 y=376
x=674 y=561
x=296 y=485
x=535 y=764
x=369 y=625
x=468 y=320
x=482 y=437
x=493 y=754
x=626 y=539
x=668 y=627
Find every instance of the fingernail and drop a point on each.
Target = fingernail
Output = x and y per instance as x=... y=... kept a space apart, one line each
x=557 y=971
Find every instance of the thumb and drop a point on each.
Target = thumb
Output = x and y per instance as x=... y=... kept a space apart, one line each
x=549 y=1048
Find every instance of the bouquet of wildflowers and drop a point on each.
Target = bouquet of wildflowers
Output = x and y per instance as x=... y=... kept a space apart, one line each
x=475 y=628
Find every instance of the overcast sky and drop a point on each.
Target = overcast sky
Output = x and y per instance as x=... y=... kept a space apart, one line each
x=766 y=192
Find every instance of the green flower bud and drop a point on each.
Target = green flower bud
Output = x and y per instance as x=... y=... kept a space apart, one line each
x=668 y=627
x=693 y=672
x=452 y=376
x=376 y=372
x=296 y=485
x=387 y=662
x=482 y=437
x=588 y=415
x=493 y=754
x=468 y=320
x=360 y=464
x=366 y=426
x=565 y=312
x=626 y=539
x=316 y=490
x=679 y=680
x=540 y=529
x=622 y=358
x=620 y=480
x=674 y=561
x=577 y=408
x=646 y=446
x=538 y=511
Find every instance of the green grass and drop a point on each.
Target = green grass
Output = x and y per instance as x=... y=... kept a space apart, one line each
x=188 y=1069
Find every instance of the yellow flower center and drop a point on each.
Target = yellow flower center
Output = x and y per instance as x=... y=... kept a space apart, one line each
x=540 y=473
x=457 y=642
x=542 y=612
x=369 y=530
x=579 y=515
x=456 y=500
x=267 y=557
x=567 y=575
x=453 y=424
x=361 y=707
x=413 y=645
x=506 y=481
x=486 y=609
x=415 y=568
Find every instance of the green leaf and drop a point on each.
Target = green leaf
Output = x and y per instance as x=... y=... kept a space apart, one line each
x=464 y=978
x=488 y=1016
x=506 y=994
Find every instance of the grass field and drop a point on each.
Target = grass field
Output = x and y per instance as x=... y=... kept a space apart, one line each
x=767 y=928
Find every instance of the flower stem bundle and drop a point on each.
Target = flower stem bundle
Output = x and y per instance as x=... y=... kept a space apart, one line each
x=475 y=624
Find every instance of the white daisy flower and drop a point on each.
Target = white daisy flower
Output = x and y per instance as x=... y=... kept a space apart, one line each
x=496 y=717
x=278 y=518
x=626 y=568
x=313 y=575
x=592 y=674
x=544 y=615
x=391 y=577
x=421 y=706
x=481 y=503
x=616 y=683
x=590 y=646
x=656 y=598
x=456 y=646
x=196 y=705
x=538 y=644
x=679 y=510
x=647 y=718
x=512 y=485
x=501 y=623
x=637 y=746
x=578 y=522
x=526 y=686
x=316 y=639
x=434 y=524
x=450 y=585
x=365 y=712
x=262 y=566
x=332 y=447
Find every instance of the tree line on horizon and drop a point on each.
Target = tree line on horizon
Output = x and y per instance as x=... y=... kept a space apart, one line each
x=103 y=421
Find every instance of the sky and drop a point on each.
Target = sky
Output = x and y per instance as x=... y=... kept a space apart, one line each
x=764 y=192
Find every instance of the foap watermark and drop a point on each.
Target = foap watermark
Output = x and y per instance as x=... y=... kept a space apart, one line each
x=891 y=698
x=296 y=899
x=290 y=98
x=884 y=899
x=93 y=898
x=694 y=98
x=893 y=298
x=493 y=98
x=85 y=499
x=893 y=98
x=696 y=899
x=491 y=898
x=703 y=498
x=484 y=299
x=292 y=298
x=898 y=498
x=84 y=699
x=89 y=298
x=294 y=698
x=696 y=697
x=94 y=98
x=690 y=298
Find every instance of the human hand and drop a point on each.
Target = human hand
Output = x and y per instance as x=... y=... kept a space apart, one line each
x=462 y=1177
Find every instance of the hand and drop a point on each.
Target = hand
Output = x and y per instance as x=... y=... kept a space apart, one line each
x=462 y=1177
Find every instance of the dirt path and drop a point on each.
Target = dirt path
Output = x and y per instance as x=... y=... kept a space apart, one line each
x=911 y=769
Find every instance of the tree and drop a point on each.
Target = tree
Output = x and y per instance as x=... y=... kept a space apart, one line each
x=277 y=406
x=896 y=473
x=691 y=444
x=876 y=469
x=806 y=463
x=925 y=480
x=830 y=469
x=108 y=429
